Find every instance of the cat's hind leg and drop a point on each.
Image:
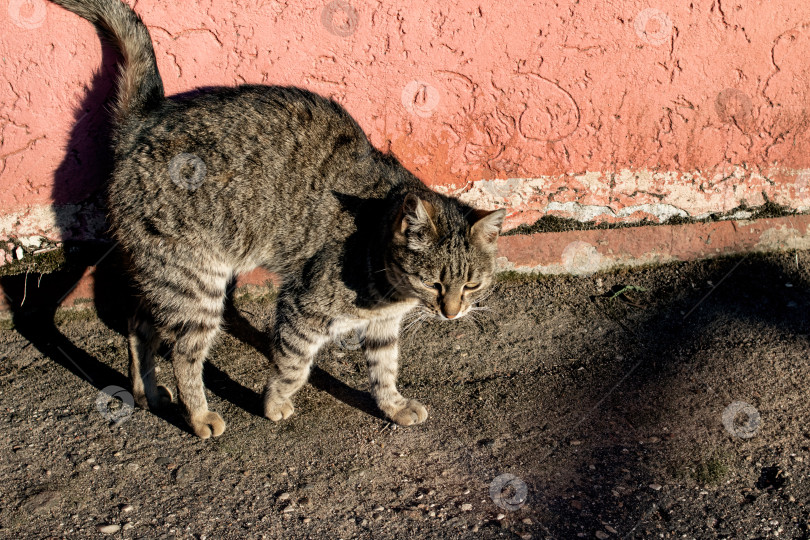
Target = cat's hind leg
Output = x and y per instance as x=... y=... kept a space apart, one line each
x=187 y=297
x=143 y=344
x=188 y=356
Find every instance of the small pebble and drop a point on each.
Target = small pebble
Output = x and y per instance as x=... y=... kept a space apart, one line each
x=527 y=521
x=127 y=508
x=128 y=525
x=284 y=496
x=109 y=529
x=466 y=507
x=602 y=535
x=655 y=487
x=500 y=516
x=183 y=473
x=20 y=253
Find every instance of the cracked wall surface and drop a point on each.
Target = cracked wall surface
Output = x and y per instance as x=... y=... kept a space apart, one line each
x=596 y=110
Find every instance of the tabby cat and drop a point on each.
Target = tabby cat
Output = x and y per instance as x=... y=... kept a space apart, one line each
x=208 y=186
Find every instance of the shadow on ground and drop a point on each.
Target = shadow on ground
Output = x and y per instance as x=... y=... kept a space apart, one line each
x=603 y=394
x=656 y=359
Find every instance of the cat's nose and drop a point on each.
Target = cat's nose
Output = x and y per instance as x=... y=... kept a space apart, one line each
x=450 y=311
x=451 y=303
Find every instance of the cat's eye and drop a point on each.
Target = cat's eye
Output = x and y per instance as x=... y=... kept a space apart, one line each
x=433 y=285
x=471 y=286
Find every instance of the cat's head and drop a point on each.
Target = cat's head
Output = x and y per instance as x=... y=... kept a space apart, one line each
x=443 y=253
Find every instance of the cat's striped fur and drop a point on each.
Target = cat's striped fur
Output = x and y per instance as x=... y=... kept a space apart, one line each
x=287 y=180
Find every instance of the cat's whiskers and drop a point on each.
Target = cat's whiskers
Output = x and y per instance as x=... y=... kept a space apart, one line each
x=475 y=320
x=407 y=324
x=415 y=314
x=418 y=310
x=417 y=327
x=422 y=318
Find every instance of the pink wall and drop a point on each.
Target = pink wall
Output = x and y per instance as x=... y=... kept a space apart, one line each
x=599 y=110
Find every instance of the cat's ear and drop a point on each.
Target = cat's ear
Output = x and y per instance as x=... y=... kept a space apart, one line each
x=414 y=224
x=486 y=226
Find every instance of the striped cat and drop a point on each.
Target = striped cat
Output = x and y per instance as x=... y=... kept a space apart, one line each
x=212 y=185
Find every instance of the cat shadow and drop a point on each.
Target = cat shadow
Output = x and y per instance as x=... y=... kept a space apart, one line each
x=226 y=388
x=34 y=299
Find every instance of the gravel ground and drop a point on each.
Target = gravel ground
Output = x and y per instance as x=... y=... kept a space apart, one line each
x=664 y=402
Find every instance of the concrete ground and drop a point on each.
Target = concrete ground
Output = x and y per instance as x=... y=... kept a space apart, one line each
x=666 y=402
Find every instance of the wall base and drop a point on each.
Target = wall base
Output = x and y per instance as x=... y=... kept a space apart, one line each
x=570 y=252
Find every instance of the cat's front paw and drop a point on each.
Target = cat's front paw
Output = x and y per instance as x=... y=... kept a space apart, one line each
x=207 y=424
x=276 y=411
x=412 y=413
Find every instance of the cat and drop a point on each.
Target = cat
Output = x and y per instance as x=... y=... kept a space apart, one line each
x=210 y=185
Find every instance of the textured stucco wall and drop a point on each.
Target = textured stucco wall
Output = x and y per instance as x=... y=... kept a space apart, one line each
x=600 y=110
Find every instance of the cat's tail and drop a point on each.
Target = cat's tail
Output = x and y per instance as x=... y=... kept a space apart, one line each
x=139 y=85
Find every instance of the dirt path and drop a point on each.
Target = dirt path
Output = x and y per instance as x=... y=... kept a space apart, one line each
x=608 y=412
